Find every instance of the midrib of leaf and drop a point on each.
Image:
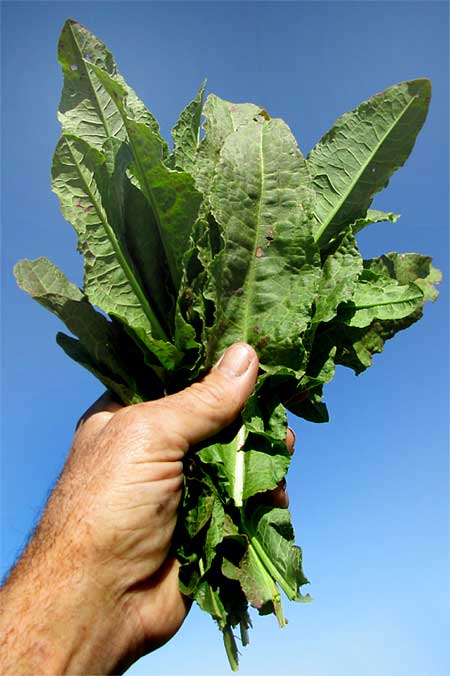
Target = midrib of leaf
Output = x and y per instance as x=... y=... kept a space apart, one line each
x=239 y=468
x=390 y=302
x=216 y=607
x=250 y=278
x=101 y=113
x=118 y=252
x=148 y=191
x=321 y=231
x=275 y=594
x=145 y=186
x=232 y=120
x=290 y=592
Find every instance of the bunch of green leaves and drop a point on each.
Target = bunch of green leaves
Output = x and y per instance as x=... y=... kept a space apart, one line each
x=231 y=235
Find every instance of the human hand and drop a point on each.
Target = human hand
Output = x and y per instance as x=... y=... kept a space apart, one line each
x=108 y=526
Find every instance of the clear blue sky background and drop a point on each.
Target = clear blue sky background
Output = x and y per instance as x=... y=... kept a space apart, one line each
x=369 y=490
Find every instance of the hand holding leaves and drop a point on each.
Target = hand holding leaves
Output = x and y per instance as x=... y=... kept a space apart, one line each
x=233 y=236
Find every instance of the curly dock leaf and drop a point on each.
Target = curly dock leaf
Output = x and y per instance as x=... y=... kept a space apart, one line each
x=373 y=216
x=98 y=342
x=407 y=268
x=171 y=194
x=340 y=271
x=186 y=134
x=261 y=199
x=91 y=200
x=271 y=536
x=86 y=109
x=222 y=118
x=358 y=155
x=383 y=299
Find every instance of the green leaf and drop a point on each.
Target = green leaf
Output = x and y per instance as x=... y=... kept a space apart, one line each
x=354 y=346
x=356 y=158
x=271 y=536
x=215 y=533
x=75 y=350
x=144 y=248
x=199 y=512
x=86 y=108
x=230 y=458
x=92 y=200
x=174 y=200
x=198 y=298
x=257 y=584
x=373 y=216
x=407 y=268
x=311 y=409
x=340 y=271
x=186 y=134
x=211 y=602
x=171 y=194
x=222 y=118
x=247 y=470
x=267 y=273
x=98 y=341
x=382 y=299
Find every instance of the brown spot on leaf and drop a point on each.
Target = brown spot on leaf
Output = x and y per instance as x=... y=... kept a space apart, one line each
x=259 y=252
x=89 y=208
x=263 y=342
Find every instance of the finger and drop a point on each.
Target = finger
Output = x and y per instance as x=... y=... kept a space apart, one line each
x=99 y=414
x=207 y=407
x=280 y=497
x=290 y=440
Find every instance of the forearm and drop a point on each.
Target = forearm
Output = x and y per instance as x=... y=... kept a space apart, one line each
x=58 y=619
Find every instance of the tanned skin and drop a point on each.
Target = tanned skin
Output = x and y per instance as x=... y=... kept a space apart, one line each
x=97 y=586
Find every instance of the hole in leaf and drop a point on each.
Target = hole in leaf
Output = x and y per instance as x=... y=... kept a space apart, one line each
x=73 y=66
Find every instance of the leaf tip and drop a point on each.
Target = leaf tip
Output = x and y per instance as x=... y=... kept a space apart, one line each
x=420 y=89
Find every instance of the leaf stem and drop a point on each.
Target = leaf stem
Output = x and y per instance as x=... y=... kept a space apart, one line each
x=290 y=592
x=230 y=647
x=276 y=598
x=239 y=468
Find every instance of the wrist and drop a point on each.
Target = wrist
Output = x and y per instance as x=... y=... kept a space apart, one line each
x=59 y=618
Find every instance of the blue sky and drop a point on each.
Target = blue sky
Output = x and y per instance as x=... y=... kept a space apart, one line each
x=369 y=490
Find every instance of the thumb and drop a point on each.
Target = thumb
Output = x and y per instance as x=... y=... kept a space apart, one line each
x=205 y=408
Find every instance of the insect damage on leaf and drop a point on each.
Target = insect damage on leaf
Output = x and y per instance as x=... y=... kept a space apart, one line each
x=233 y=236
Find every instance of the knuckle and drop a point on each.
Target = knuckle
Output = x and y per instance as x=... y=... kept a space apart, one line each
x=129 y=419
x=218 y=403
